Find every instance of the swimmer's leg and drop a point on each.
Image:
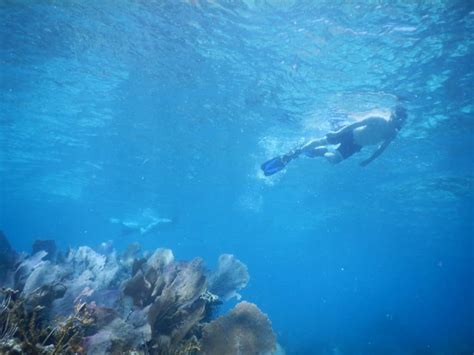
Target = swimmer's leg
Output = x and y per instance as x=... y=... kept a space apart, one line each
x=316 y=152
x=315 y=148
x=334 y=157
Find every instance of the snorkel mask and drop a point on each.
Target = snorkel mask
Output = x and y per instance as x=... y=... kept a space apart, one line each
x=399 y=115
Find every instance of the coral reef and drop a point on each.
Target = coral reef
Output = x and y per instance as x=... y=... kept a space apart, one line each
x=47 y=245
x=88 y=272
x=27 y=267
x=231 y=275
x=169 y=295
x=24 y=331
x=93 y=303
x=245 y=330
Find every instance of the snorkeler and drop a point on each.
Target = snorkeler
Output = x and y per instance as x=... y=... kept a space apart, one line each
x=143 y=223
x=371 y=130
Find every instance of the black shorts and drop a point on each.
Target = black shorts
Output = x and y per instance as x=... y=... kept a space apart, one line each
x=347 y=146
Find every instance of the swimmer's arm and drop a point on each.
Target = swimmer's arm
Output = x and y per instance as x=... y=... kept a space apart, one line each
x=377 y=153
x=144 y=230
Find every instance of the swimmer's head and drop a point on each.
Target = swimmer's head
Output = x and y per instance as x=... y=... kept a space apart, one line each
x=399 y=115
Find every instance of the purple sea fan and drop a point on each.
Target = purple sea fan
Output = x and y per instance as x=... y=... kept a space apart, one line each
x=231 y=275
x=245 y=330
x=118 y=337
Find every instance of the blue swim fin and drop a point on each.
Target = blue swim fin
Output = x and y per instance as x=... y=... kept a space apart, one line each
x=276 y=164
x=273 y=166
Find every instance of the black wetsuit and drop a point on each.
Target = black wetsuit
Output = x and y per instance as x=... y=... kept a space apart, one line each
x=347 y=145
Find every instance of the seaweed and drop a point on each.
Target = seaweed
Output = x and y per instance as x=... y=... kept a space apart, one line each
x=7 y=327
x=25 y=330
x=68 y=334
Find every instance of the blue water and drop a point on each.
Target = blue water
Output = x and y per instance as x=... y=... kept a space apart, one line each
x=112 y=107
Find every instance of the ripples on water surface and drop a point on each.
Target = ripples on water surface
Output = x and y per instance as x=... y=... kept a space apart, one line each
x=109 y=108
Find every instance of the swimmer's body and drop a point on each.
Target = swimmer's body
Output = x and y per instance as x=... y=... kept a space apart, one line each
x=371 y=130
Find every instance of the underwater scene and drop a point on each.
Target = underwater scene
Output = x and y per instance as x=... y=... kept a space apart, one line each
x=237 y=177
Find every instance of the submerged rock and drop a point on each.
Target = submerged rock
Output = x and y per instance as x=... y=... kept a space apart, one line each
x=7 y=258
